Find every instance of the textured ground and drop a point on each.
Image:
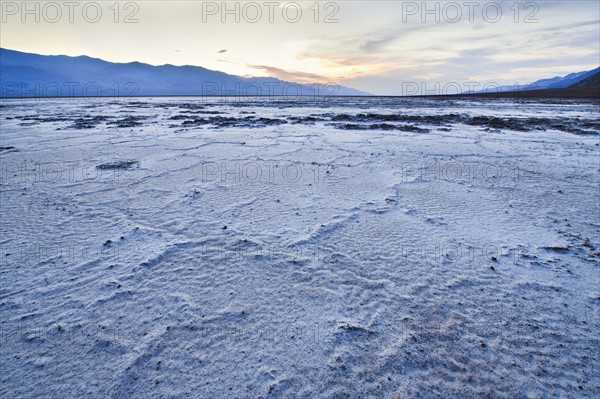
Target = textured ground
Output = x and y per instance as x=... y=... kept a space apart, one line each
x=343 y=248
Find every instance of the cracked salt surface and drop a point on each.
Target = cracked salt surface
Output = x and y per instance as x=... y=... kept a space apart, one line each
x=356 y=247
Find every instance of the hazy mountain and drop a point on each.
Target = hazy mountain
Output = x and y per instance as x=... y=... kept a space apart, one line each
x=587 y=88
x=557 y=82
x=592 y=81
x=561 y=82
x=34 y=75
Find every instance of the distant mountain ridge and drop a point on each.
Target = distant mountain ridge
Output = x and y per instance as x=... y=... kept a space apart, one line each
x=33 y=75
x=557 y=82
x=588 y=88
x=591 y=81
x=561 y=82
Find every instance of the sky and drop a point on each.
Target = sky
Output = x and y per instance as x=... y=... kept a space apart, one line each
x=381 y=47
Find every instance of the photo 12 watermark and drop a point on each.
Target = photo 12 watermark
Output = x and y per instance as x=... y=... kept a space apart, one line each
x=469 y=11
x=469 y=172
x=34 y=253
x=253 y=12
x=87 y=91
x=267 y=90
x=52 y=12
x=28 y=172
x=269 y=172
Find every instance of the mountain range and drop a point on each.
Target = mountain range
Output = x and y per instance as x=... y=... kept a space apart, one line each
x=33 y=75
x=557 y=82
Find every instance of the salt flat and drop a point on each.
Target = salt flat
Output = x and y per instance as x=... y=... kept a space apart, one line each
x=275 y=248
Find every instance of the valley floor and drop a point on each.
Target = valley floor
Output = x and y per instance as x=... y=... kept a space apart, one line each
x=270 y=248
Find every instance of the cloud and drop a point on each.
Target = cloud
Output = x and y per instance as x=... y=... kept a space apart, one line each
x=222 y=51
x=295 y=76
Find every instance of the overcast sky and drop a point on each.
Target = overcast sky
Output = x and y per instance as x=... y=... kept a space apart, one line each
x=375 y=46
